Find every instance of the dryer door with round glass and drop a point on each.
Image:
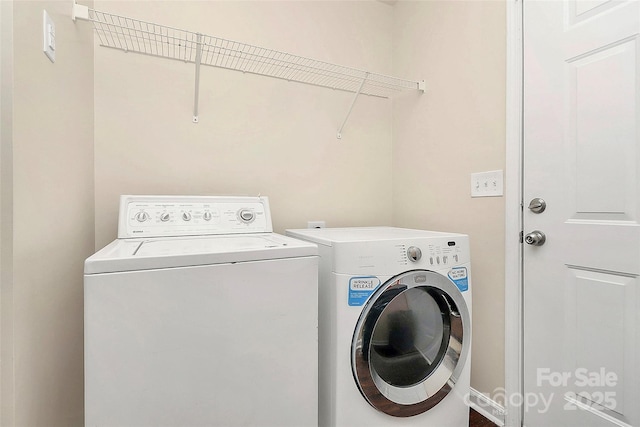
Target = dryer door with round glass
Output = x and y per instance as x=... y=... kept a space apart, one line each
x=411 y=343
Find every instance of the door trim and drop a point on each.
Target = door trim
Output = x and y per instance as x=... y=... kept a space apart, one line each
x=514 y=352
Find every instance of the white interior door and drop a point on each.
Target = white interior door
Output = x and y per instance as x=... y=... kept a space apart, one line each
x=582 y=156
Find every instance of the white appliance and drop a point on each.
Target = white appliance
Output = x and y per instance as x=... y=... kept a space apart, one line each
x=199 y=315
x=394 y=327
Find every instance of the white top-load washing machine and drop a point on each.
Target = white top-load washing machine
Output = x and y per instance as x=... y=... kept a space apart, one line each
x=199 y=315
x=394 y=326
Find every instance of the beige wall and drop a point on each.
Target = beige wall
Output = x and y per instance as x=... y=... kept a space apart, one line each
x=457 y=127
x=256 y=135
x=51 y=181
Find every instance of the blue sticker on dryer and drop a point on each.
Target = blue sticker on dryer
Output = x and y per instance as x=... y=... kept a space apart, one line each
x=361 y=288
x=459 y=276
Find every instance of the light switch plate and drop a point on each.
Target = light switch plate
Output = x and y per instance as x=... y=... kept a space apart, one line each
x=48 y=36
x=487 y=184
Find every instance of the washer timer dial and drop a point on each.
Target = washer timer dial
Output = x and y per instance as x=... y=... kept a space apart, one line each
x=246 y=215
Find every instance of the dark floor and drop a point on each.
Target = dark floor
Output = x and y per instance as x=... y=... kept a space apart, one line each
x=477 y=420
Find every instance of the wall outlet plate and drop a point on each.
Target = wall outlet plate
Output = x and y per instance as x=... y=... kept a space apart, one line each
x=316 y=224
x=487 y=184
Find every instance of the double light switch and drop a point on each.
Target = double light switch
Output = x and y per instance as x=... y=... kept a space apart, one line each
x=49 y=36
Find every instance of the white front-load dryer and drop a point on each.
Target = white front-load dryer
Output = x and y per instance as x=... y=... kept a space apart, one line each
x=199 y=315
x=394 y=326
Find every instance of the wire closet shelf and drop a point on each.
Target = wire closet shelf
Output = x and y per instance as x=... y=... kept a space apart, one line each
x=132 y=35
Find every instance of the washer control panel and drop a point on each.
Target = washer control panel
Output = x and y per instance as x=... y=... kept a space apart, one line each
x=158 y=216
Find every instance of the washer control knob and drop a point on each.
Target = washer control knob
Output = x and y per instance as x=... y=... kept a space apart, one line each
x=246 y=215
x=207 y=216
x=414 y=253
x=186 y=216
x=142 y=216
x=164 y=217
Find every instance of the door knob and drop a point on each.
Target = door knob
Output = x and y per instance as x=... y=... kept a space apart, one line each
x=535 y=238
x=537 y=205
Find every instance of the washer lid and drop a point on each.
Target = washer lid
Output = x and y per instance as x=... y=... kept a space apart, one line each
x=145 y=254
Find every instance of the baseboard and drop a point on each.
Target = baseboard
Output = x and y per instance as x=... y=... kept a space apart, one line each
x=486 y=407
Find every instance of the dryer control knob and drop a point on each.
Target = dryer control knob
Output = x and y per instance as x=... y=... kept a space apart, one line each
x=186 y=216
x=414 y=253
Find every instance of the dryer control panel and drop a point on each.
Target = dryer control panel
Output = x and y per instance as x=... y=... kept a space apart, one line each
x=389 y=257
x=436 y=253
x=161 y=216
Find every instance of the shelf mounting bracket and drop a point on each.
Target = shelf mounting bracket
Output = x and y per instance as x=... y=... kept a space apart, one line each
x=79 y=11
x=197 y=89
x=355 y=97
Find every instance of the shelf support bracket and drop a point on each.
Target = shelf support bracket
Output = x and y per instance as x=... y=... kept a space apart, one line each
x=197 y=89
x=79 y=11
x=344 y=122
